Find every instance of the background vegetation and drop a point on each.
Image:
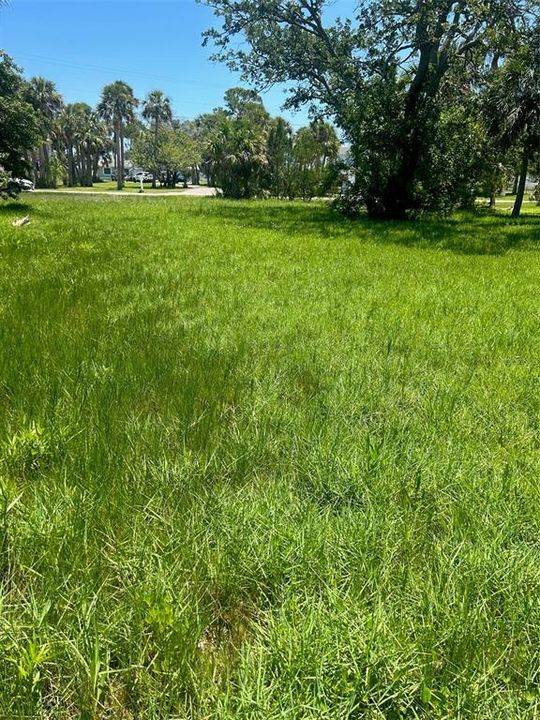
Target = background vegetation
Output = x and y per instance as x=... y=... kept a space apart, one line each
x=436 y=104
x=239 y=146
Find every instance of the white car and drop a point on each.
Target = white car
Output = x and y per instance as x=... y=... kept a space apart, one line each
x=24 y=183
x=144 y=176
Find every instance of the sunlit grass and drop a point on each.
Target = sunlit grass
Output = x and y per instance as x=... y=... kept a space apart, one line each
x=110 y=186
x=261 y=462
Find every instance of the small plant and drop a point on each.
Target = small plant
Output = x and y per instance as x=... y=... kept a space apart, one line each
x=28 y=663
x=28 y=450
x=8 y=500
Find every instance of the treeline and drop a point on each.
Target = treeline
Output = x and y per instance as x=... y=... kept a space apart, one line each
x=439 y=99
x=239 y=147
x=248 y=153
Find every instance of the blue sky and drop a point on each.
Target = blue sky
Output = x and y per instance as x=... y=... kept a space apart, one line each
x=74 y=43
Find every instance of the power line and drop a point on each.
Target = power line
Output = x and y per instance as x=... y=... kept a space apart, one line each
x=205 y=107
x=120 y=71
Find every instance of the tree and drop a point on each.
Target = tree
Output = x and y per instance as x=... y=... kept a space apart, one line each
x=207 y=128
x=279 y=151
x=179 y=153
x=19 y=131
x=234 y=144
x=82 y=139
x=117 y=106
x=513 y=108
x=314 y=152
x=236 y=154
x=173 y=153
x=68 y=130
x=157 y=110
x=383 y=75
x=240 y=102
x=47 y=103
x=191 y=130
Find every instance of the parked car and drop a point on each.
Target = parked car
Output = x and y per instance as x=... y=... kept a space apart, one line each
x=144 y=176
x=23 y=183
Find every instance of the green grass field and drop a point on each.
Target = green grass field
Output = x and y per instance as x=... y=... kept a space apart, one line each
x=259 y=462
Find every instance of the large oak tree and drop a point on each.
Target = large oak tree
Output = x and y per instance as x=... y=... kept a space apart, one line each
x=386 y=74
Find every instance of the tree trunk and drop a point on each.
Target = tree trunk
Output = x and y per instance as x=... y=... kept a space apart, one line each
x=50 y=181
x=155 y=169
x=515 y=185
x=41 y=180
x=492 y=201
x=115 y=151
x=71 y=166
x=82 y=166
x=522 y=181
x=120 y=156
x=89 y=174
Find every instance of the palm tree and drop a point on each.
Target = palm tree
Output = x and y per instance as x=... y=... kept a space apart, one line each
x=66 y=140
x=513 y=108
x=47 y=102
x=237 y=154
x=96 y=144
x=279 y=147
x=157 y=110
x=117 y=106
x=82 y=138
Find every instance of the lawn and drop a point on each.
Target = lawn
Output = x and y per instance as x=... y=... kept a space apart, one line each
x=260 y=462
x=109 y=186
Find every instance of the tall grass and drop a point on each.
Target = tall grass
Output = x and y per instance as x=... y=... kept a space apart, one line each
x=258 y=462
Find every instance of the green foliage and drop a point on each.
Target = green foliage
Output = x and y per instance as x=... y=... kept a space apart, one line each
x=279 y=149
x=117 y=106
x=249 y=154
x=117 y=103
x=157 y=109
x=47 y=103
x=386 y=75
x=260 y=461
x=18 y=122
x=82 y=139
x=8 y=189
x=314 y=151
x=234 y=142
x=28 y=450
x=172 y=152
x=512 y=106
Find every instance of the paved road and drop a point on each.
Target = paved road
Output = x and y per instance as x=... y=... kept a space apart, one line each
x=193 y=191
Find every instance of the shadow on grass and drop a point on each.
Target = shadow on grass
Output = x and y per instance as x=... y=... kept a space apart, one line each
x=471 y=233
x=11 y=208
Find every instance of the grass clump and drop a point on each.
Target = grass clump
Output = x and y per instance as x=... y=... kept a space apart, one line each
x=261 y=462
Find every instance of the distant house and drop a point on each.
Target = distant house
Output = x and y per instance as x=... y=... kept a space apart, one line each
x=108 y=172
x=105 y=173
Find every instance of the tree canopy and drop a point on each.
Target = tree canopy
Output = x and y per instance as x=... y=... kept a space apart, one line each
x=117 y=106
x=387 y=75
x=19 y=126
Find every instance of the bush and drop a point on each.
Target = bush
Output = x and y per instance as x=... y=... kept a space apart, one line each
x=349 y=202
x=9 y=189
